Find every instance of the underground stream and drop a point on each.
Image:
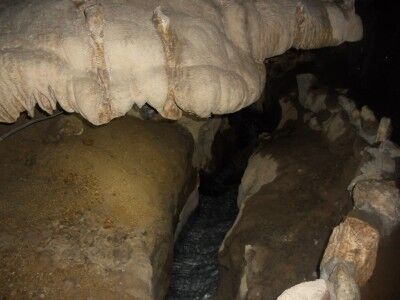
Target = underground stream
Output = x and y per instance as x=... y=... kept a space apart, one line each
x=195 y=268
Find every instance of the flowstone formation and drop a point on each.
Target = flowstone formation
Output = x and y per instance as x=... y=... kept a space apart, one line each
x=99 y=58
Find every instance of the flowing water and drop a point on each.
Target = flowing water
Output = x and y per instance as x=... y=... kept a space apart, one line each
x=195 y=268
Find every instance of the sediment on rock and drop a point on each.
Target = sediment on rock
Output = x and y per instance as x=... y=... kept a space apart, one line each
x=282 y=228
x=94 y=214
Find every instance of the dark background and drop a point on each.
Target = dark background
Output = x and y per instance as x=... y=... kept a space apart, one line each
x=374 y=63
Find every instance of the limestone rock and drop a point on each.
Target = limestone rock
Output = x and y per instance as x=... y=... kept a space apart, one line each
x=381 y=198
x=289 y=112
x=384 y=130
x=350 y=108
x=381 y=162
x=310 y=290
x=368 y=128
x=203 y=132
x=281 y=232
x=336 y=126
x=94 y=215
x=260 y=170
x=355 y=243
x=344 y=285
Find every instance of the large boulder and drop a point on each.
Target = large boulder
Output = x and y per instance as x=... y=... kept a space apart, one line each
x=381 y=199
x=355 y=243
x=293 y=193
x=92 y=214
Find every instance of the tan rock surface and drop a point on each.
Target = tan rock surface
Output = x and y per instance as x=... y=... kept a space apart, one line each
x=354 y=242
x=92 y=215
x=282 y=228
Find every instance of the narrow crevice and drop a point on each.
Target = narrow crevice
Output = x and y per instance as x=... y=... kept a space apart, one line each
x=195 y=266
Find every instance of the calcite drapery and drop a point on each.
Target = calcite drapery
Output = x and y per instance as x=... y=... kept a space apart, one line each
x=99 y=57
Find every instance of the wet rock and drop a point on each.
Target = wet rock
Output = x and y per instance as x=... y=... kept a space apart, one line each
x=311 y=290
x=380 y=198
x=344 y=286
x=194 y=271
x=355 y=243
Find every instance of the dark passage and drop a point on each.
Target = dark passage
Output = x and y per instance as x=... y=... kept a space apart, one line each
x=195 y=267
